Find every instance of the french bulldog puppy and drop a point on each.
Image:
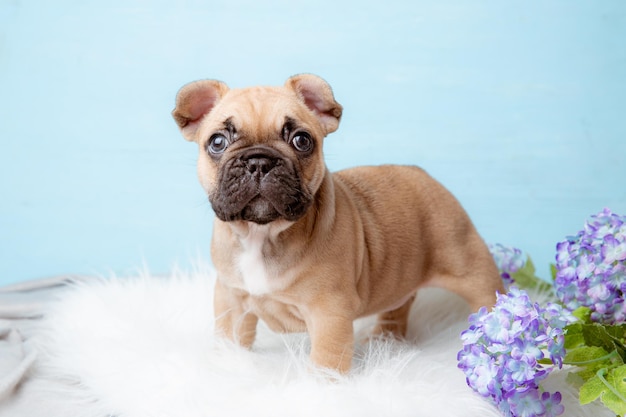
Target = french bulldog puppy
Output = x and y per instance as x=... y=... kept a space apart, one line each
x=305 y=249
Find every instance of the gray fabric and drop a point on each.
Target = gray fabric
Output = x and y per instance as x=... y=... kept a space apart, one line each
x=15 y=358
x=21 y=307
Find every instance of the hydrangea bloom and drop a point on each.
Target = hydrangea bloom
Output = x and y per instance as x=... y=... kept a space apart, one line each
x=591 y=268
x=508 y=260
x=503 y=351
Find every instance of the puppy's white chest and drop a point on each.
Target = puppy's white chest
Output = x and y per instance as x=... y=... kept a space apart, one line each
x=252 y=264
x=254 y=271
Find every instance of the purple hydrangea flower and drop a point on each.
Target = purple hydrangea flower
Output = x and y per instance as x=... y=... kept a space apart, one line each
x=508 y=260
x=527 y=404
x=503 y=351
x=552 y=404
x=591 y=268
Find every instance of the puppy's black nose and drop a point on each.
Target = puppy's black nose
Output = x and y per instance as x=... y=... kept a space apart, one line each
x=260 y=164
x=260 y=160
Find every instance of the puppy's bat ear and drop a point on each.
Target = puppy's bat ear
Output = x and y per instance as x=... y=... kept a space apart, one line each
x=318 y=97
x=193 y=102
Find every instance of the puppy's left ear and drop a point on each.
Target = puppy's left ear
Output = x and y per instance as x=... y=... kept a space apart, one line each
x=318 y=97
x=193 y=102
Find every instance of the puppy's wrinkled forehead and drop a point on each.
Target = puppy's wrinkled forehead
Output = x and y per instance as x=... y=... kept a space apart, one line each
x=262 y=112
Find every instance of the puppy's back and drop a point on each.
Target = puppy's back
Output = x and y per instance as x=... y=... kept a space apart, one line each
x=421 y=228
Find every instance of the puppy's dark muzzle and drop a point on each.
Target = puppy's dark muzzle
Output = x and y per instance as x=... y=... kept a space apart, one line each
x=260 y=185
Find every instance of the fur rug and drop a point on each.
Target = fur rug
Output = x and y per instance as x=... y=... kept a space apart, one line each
x=144 y=347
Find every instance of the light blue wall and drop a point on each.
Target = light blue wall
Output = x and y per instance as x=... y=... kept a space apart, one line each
x=518 y=107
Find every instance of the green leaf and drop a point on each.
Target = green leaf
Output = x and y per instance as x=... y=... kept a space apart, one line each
x=615 y=395
x=553 y=272
x=525 y=278
x=611 y=338
x=613 y=403
x=574 y=336
x=598 y=335
x=591 y=390
x=583 y=314
x=587 y=373
x=586 y=355
x=618 y=334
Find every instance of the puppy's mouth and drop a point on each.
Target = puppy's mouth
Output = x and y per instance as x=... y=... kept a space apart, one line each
x=260 y=185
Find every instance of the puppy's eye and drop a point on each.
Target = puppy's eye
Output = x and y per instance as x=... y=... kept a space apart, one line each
x=217 y=144
x=302 y=142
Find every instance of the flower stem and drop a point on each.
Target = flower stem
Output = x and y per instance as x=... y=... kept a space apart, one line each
x=600 y=375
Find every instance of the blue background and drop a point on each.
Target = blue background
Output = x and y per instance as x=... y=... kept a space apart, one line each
x=518 y=107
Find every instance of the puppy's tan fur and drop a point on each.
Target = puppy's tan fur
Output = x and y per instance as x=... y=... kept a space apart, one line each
x=370 y=239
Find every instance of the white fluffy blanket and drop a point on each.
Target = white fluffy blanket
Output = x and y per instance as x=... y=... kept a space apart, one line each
x=144 y=347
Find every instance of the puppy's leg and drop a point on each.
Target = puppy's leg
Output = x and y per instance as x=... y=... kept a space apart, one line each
x=476 y=279
x=231 y=319
x=482 y=283
x=332 y=341
x=395 y=321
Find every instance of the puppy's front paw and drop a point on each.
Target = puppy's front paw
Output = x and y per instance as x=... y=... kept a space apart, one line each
x=332 y=343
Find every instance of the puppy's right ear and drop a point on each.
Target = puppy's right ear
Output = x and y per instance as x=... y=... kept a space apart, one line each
x=317 y=95
x=193 y=102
